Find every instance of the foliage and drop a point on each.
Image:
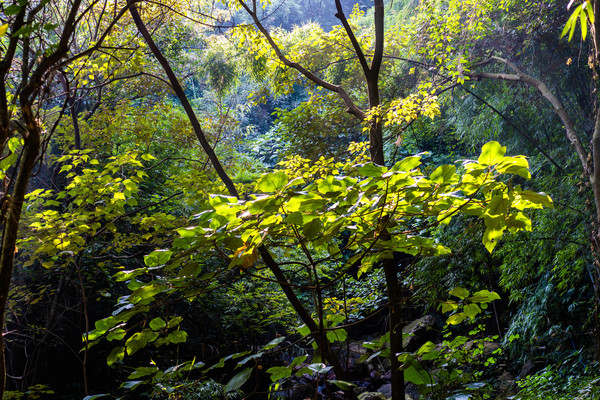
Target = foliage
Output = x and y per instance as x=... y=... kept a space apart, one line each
x=583 y=13
x=308 y=212
x=455 y=366
x=572 y=378
x=200 y=390
x=327 y=217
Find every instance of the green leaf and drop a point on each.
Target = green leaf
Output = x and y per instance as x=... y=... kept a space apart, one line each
x=119 y=196
x=131 y=384
x=137 y=341
x=8 y=161
x=295 y=218
x=118 y=353
x=590 y=11
x=371 y=170
x=407 y=164
x=456 y=319
x=484 y=296
x=250 y=357
x=238 y=380
x=416 y=374
x=518 y=222
x=498 y=206
x=272 y=182
x=573 y=22
x=472 y=310
x=177 y=337
x=431 y=355
x=342 y=384
x=491 y=237
x=460 y=293
x=312 y=229
x=145 y=293
x=12 y=10
x=449 y=306
x=141 y=372
x=319 y=368
x=426 y=348
x=536 y=198
x=491 y=153
x=273 y=343
x=157 y=324
x=95 y=396
x=514 y=165
x=298 y=360
x=444 y=174
x=14 y=143
x=173 y=322
x=583 y=20
x=278 y=373
x=330 y=186
x=338 y=335
x=157 y=258
x=566 y=28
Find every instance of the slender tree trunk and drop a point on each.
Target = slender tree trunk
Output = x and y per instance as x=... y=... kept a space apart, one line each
x=395 y=327
x=184 y=101
x=11 y=225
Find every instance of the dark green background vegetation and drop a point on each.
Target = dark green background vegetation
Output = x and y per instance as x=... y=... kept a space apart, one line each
x=137 y=274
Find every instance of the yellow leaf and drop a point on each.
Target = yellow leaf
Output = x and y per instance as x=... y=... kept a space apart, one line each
x=119 y=196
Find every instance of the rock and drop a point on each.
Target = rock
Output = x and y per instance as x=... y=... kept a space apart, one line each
x=339 y=395
x=358 y=372
x=303 y=392
x=412 y=391
x=506 y=386
x=371 y=396
x=357 y=348
x=386 y=390
x=527 y=369
x=388 y=375
x=420 y=331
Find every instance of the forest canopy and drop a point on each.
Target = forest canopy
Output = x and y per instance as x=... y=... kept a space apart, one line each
x=285 y=199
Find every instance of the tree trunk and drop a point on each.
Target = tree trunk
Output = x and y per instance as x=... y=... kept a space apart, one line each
x=184 y=101
x=11 y=225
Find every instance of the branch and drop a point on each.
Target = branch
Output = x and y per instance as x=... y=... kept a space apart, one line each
x=571 y=134
x=357 y=49
x=352 y=108
x=523 y=134
x=184 y=102
x=379 y=37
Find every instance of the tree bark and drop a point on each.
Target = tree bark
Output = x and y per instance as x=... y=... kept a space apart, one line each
x=11 y=225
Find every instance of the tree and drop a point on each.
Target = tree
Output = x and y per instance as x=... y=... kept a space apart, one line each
x=311 y=233
x=36 y=45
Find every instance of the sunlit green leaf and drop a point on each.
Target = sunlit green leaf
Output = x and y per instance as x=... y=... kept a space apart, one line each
x=491 y=153
x=272 y=182
x=459 y=292
x=157 y=324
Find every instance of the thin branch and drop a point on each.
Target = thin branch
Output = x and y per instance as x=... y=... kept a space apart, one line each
x=571 y=133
